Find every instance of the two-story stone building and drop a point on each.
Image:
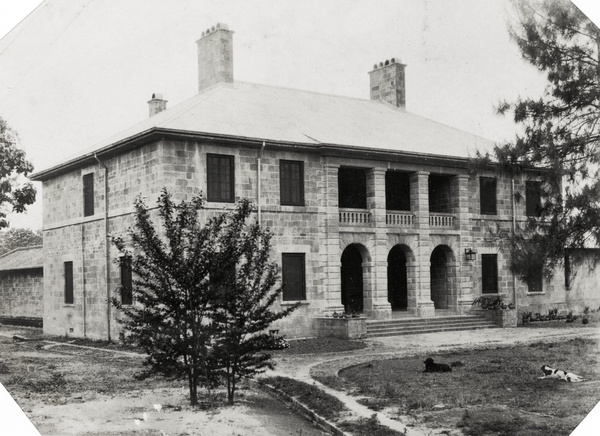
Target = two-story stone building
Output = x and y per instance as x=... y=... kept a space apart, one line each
x=372 y=207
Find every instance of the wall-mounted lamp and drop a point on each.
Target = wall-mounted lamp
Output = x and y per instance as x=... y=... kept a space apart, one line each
x=470 y=254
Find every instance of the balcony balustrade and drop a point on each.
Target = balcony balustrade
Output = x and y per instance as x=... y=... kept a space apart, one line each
x=355 y=217
x=442 y=220
x=399 y=219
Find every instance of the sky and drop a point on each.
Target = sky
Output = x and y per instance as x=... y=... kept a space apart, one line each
x=75 y=72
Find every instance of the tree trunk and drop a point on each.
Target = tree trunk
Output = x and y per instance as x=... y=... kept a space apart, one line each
x=193 y=383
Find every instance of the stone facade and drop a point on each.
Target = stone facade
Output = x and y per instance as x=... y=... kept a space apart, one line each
x=438 y=275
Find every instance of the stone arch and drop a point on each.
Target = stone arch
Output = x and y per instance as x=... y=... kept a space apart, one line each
x=399 y=274
x=443 y=274
x=355 y=274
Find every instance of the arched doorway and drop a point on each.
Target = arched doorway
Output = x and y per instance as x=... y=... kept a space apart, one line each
x=397 y=279
x=352 y=278
x=439 y=278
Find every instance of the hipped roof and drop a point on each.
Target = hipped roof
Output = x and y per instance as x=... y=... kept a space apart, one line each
x=246 y=111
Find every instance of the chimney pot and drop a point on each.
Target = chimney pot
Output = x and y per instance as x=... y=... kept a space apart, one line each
x=156 y=104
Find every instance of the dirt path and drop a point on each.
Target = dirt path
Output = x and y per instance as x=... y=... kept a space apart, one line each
x=126 y=408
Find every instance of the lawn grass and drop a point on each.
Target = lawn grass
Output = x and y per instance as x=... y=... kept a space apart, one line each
x=484 y=384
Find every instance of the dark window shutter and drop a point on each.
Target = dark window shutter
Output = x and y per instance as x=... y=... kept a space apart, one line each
x=88 y=194
x=68 y=282
x=291 y=176
x=487 y=195
x=126 y=282
x=293 y=277
x=489 y=273
x=220 y=178
x=533 y=198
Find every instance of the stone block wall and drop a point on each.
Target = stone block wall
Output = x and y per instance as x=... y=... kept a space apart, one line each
x=313 y=229
x=21 y=293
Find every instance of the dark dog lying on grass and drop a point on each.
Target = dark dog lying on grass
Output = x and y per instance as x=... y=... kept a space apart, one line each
x=430 y=366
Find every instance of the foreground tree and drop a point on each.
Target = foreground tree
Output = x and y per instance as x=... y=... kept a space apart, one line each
x=244 y=310
x=13 y=238
x=15 y=193
x=183 y=308
x=561 y=133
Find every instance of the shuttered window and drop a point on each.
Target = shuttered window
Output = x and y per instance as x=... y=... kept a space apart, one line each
x=88 y=194
x=291 y=177
x=220 y=183
x=533 y=198
x=68 y=267
x=126 y=282
x=489 y=273
x=487 y=195
x=294 y=282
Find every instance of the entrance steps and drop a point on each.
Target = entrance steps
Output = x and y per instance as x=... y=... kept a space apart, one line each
x=411 y=326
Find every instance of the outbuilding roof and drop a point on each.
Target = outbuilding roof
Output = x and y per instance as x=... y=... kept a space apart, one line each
x=22 y=258
x=281 y=115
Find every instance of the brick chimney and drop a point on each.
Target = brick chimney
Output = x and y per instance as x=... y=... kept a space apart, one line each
x=388 y=83
x=215 y=56
x=157 y=104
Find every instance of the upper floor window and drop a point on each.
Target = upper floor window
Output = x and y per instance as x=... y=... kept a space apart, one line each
x=88 y=194
x=126 y=282
x=533 y=198
x=220 y=180
x=352 y=188
x=68 y=271
x=291 y=179
x=397 y=190
x=489 y=273
x=487 y=195
x=293 y=276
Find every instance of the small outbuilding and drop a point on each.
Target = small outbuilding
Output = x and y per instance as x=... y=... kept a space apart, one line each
x=22 y=286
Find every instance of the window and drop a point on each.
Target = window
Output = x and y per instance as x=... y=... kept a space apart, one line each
x=535 y=280
x=487 y=195
x=223 y=280
x=220 y=181
x=489 y=273
x=397 y=190
x=68 y=266
x=567 y=271
x=294 y=284
x=88 y=194
x=352 y=188
x=533 y=198
x=126 y=282
x=291 y=179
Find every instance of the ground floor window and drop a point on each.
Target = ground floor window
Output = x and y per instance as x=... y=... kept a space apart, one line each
x=489 y=273
x=293 y=276
x=126 y=282
x=68 y=267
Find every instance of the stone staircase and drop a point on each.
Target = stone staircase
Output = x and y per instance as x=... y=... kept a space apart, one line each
x=411 y=326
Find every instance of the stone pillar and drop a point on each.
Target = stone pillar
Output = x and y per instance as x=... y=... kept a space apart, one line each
x=380 y=308
x=330 y=249
x=419 y=198
x=464 y=268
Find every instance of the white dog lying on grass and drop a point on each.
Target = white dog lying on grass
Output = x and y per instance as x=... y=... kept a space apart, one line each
x=557 y=373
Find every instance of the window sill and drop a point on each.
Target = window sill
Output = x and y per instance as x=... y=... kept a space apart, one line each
x=292 y=302
x=536 y=293
x=68 y=305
